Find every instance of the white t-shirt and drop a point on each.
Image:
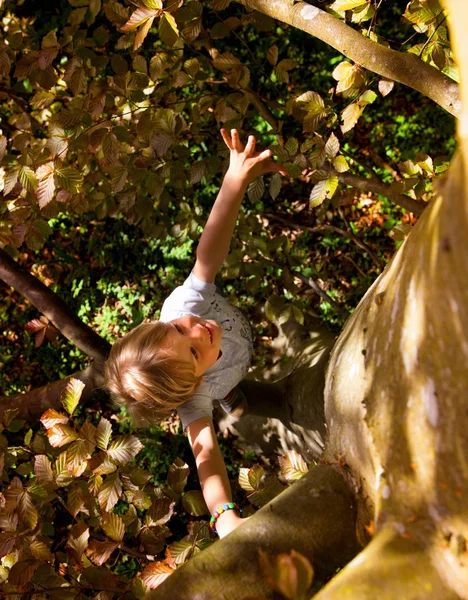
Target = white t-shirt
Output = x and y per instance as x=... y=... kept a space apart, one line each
x=201 y=299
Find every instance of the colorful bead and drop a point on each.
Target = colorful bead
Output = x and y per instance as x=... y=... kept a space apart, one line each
x=219 y=511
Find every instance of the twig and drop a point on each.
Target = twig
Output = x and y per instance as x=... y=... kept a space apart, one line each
x=323 y=226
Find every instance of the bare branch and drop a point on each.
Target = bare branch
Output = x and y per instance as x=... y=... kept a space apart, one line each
x=53 y=307
x=398 y=66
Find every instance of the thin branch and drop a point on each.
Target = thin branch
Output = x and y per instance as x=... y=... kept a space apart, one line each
x=371 y=185
x=313 y=284
x=391 y=64
x=53 y=307
x=323 y=226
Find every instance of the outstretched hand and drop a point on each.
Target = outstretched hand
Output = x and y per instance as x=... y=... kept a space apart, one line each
x=245 y=163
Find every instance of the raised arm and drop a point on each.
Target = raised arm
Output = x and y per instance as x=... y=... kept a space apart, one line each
x=245 y=165
x=212 y=473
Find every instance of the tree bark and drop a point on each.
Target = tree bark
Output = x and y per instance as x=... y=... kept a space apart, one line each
x=54 y=308
x=229 y=569
x=398 y=66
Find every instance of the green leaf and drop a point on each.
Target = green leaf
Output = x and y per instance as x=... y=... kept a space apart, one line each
x=291 y=146
x=28 y=178
x=322 y=190
x=177 y=475
x=113 y=526
x=71 y=395
x=340 y=164
x=292 y=466
x=255 y=189
x=124 y=448
x=168 y=31
x=368 y=97
x=275 y=185
x=194 y=503
x=69 y=179
x=342 y=5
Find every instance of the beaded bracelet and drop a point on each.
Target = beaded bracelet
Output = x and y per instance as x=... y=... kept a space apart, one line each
x=219 y=511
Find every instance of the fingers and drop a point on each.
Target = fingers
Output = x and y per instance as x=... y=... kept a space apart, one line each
x=227 y=139
x=235 y=140
x=250 y=147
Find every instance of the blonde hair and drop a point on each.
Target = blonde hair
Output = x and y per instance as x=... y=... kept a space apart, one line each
x=146 y=380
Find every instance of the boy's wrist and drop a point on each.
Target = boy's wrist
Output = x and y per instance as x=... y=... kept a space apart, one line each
x=235 y=181
x=226 y=522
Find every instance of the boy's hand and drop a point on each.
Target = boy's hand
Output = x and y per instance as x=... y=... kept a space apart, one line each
x=246 y=164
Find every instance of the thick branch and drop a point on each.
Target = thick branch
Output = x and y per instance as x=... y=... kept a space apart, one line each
x=399 y=66
x=33 y=404
x=53 y=307
x=230 y=567
x=370 y=185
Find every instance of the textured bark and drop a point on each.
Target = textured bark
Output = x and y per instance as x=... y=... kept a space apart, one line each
x=32 y=405
x=53 y=307
x=397 y=381
x=229 y=569
x=398 y=66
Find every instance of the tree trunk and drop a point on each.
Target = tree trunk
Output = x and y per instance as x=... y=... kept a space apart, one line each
x=229 y=569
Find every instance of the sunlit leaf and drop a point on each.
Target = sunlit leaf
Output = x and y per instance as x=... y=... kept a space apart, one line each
x=27 y=178
x=113 y=526
x=124 y=448
x=341 y=5
x=139 y=17
x=63 y=476
x=385 y=86
x=103 y=434
x=292 y=466
x=109 y=492
x=60 y=434
x=155 y=573
x=322 y=190
x=43 y=469
x=332 y=146
x=350 y=116
x=75 y=499
x=78 y=452
x=99 y=552
x=71 y=395
x=69 y=179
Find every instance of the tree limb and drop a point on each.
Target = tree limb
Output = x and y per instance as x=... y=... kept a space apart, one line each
x=398 y=66
x=33 y=404
x=370 y=185
x=53 y=307
x=230 y=567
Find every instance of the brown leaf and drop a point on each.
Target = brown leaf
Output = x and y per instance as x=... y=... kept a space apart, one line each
x=289 y=574
x=51 y=418
x=109 y=492
x=78 y=538
x=155 y=573
x=43 y=469
x=21 y=573
x=99 y=552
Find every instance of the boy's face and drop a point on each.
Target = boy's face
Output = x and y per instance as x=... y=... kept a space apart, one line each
x=194 y=340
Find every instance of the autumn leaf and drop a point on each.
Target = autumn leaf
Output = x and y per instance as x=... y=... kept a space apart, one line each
x=103 y=433
x=99 y=552
x=43 y=469
x=177 y=475
x=289 y=574
x=155 y=573
x=139 y=17
x=60 y=434
x=113 y=526
x=51 y=418
x=109 y=492
x=124 y=448
x=71 y=395
x=292 y=466
x=78 y=538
